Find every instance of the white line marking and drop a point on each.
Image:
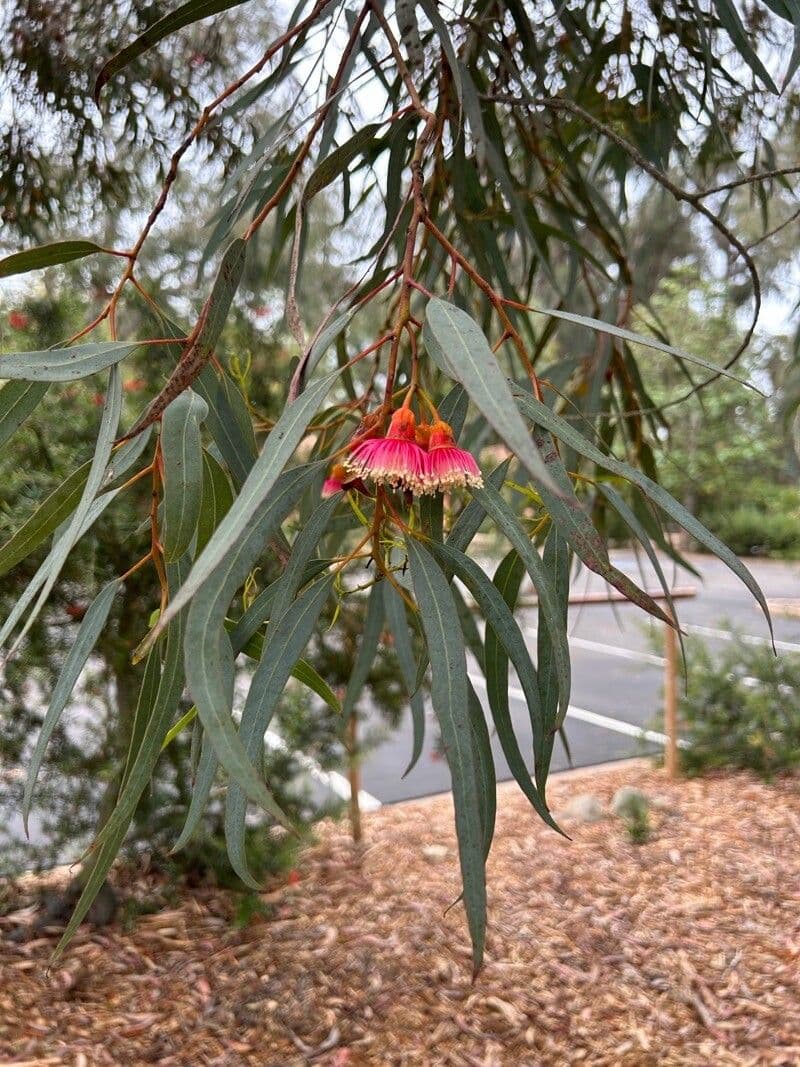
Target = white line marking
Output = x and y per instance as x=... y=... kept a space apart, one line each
x=611 y=650
x=749 y=639
x=594 y=718
x=337 y=783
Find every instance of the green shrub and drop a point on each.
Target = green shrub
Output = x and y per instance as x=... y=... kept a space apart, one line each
x=759 y=530
x=740 y=709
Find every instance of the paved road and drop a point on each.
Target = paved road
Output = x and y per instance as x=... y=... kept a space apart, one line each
x=623 y=693
x=607 y=681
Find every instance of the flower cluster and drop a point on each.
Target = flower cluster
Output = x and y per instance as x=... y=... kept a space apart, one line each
x=419 y=459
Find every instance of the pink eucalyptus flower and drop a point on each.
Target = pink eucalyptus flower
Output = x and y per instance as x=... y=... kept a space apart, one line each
x=339 y=480
x=395 y=459
x=446 y=465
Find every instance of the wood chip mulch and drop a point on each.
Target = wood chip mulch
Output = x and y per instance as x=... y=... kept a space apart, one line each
x=682 y=951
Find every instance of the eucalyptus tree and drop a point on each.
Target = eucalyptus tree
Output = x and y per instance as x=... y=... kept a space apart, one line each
x=486 y=159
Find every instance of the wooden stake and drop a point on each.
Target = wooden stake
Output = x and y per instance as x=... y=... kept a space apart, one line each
x=354 y=777
x=671 y=701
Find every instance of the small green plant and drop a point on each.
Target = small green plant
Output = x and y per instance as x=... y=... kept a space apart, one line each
x=638 y=826
x=739 y=709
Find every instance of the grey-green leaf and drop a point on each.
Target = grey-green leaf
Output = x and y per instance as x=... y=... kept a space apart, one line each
x=90 y=628
x=17 y=401
x=496 y=507
x=94 y=482
x=449 y=695
x=47 y=256
x=541 y=414
x=397 y=624
x=209 y=655
x=503 y=632
x=64 y=364
x=182 y=451
x=281 y=443
x=455 y=341
x=283 y=647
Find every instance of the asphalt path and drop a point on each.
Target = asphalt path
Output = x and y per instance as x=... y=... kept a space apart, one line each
x=616 y=683
x=617 y=672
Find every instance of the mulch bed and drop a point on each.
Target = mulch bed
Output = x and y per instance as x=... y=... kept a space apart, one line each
x=681 y=951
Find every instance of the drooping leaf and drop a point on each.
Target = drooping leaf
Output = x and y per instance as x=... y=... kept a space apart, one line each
x=60 y=504
x=283 y=647
x=112 y=410
x=373 y=626
x=731 y=20
x=17 y=401
x=495 y=506
x=642 y=339
x=431 y=9
x=449 y=695
x=472 y=515
x=281 y=443
x=201 y=791
x=580 y=532
x=561 y=429
x=229 y=422
x=209 y=655
x=142 y=764
x=503 y=633
x=64 y=364
x=457 y=343
x=185 y=15
x=557 y=561
x=46 y=256
x=397 y=624
x=90 y=628
x=215 y=502
x=486 y=781
x=182 y=451
x=295 y=573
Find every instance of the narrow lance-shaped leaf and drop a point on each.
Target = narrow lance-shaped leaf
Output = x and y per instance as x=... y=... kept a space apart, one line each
x=94 y=482
x=282 y=649
x=61 y=503
x=90 y=628
x=46 y=567
x=215 y=500
x=182 y=451
x=397 y=624
x=641 y=339
x=541 y=414
x=111 y=836
x=281 y=443
x=47 y=256
x=456 y=342
x=64 y=364
x=556 y=560
x=229 y=422
x=17 y=401
x=449 y=695
x=486 y=781
x=567 y=513
x=472 y=515
x=185 y=15
x=633 y=523
x=496 y=507
x=502 y=630
x=201 y=791
x=209 y=656
x=373 y=625
x=206 y=773
x=295 y=573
